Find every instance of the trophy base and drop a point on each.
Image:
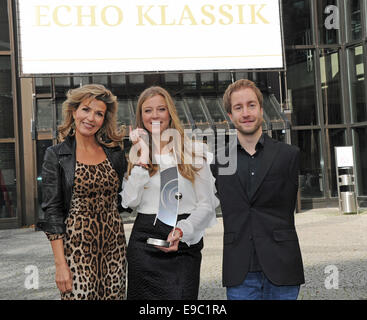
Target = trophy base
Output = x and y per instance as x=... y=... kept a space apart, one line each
x=158 y=242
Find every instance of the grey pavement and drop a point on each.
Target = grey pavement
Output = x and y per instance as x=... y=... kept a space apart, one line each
x=333 y=250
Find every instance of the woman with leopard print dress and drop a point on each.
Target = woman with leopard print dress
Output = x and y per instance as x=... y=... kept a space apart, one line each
x=81 y=180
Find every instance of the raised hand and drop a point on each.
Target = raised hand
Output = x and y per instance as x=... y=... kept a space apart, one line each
x=140 y=140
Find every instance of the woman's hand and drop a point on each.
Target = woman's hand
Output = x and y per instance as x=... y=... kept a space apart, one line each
x=64 y=279
x=173 y=238
x=136 y=138
x=136 y=134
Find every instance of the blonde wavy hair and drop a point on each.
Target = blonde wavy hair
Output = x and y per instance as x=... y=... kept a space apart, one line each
x=186 y=170
x=109 y=134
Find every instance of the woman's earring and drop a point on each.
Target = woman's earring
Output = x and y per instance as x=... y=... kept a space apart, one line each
x=72 y=128
x=102 y=135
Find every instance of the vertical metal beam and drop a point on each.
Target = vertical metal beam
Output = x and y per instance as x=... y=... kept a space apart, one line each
x=29 y=151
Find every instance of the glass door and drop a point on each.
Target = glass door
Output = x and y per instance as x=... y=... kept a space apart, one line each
x=47 y=110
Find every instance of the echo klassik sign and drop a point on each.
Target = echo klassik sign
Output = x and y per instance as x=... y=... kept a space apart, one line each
x=77 y=36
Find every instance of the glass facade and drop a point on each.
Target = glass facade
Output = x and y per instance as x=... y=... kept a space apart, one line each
x=297 y=22
x=360 y=142
x=318 y=101
x=328 y=21
x=302 y=90
x=43 y=85
x=354 y=19
x=331 y=86
x=4 y=27
x=41 y=147
x=6 y=99
x=8 y=190
x=357 y=84
x=44 y=115
x=311 y=163
x=9 y=195
x=326 y=86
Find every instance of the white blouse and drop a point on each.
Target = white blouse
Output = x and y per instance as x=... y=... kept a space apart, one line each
x=142 y=192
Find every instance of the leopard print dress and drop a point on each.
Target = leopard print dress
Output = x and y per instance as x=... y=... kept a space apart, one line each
x=94 y=243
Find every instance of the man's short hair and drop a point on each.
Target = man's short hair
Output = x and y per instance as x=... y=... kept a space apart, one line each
x=240 y=84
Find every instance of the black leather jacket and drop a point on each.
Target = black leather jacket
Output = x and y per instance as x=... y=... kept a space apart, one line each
x=58 y=171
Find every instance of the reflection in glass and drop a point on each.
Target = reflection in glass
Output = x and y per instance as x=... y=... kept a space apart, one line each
x=44 y=115
x=272 y=109
x=6 y=117
x=354 y=26
x=278 y=135
x=100 y=80
x=62 y=85
x=42 y=145
x=171 y=78
x=242 y=75
x=136 y=84
x=134 y=101
x=310 y=178
x=123 y=115
x=360 y=146
x=207 y=80
x=8 y=189
x=357 y=84
x=136 y=78
x=224 y=80
x=172 y=81
x=6 y=99
x=328 y=19
x=196 y=110
x=189 y=80
x=118 y=80
x=59 y=111
x=297 y=22
x=336 y=138
x=215 y=109
x=301 y=90
x=118 y=85
x=80 y=81
x=330 y=85
x=182 y=112
x=43 y=85
x=4 y=27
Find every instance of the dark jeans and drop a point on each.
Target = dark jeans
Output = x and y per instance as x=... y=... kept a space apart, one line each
x=258 y=287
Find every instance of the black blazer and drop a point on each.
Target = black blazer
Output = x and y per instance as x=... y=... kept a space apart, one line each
x=267 y=218
x=58 y=170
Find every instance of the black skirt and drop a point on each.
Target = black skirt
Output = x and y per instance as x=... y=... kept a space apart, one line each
x=156 y=275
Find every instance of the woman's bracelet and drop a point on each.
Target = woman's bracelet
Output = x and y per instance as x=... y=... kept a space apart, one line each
x=144 y=166
x=180 y=231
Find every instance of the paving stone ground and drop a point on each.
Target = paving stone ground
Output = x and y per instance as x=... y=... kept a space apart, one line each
x=333 y=250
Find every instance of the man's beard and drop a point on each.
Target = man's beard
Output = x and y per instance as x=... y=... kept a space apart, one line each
x=249 y=131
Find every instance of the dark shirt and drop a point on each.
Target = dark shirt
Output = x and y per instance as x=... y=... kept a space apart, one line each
x=247 y=167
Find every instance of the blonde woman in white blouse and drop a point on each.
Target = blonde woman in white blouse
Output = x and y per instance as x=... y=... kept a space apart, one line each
x=159 y=272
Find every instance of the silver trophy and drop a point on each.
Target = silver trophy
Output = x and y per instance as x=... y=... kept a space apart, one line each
x=168 y=203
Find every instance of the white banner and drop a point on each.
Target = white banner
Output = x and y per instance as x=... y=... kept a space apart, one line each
x=78 y=36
